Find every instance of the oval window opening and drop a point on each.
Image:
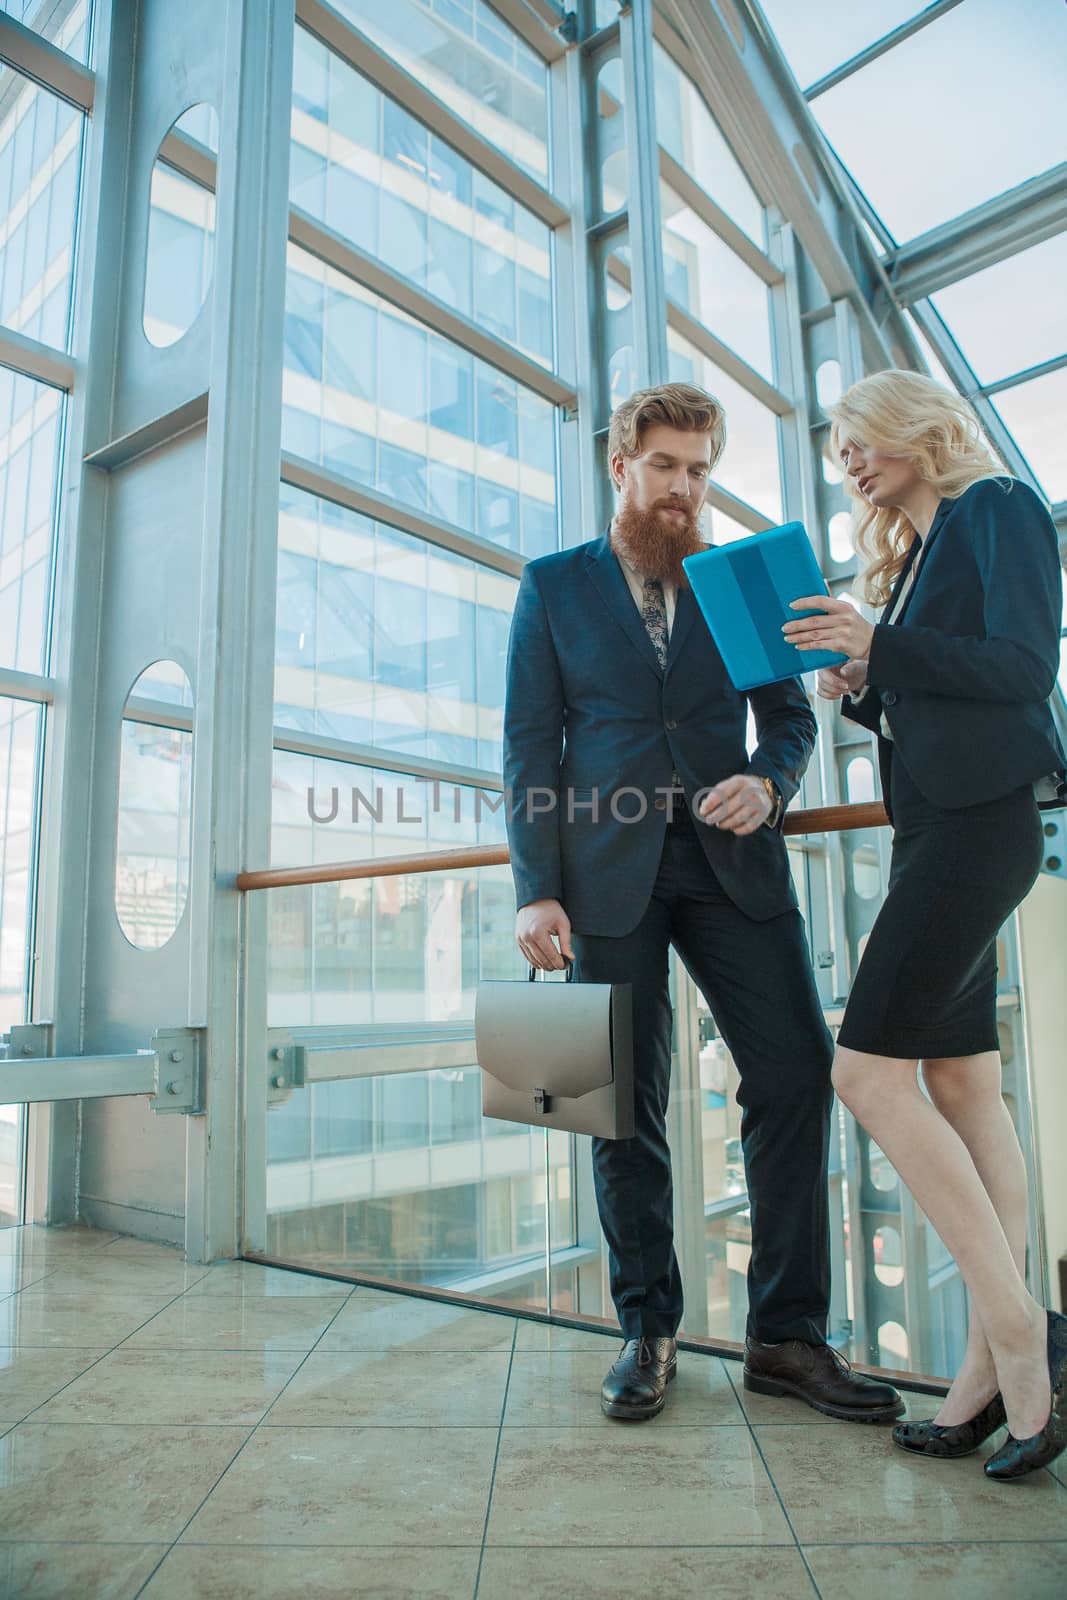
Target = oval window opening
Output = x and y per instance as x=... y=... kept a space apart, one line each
x=859 y=780
x=888 y=1262
x=840 y=529
x=613 y=182
x=828 y=383
x=155 y=806
x=180 y=257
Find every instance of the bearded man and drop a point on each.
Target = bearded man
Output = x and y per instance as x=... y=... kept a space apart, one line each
x=637 y=820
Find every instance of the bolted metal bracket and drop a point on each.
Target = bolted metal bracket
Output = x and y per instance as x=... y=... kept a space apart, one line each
x=28 y=1039
x=286 y=1071
x=179 y=1071
x=1054 y=829
x=706 y=1029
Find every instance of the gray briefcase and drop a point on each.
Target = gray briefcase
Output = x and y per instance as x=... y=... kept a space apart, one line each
x=557 y=1055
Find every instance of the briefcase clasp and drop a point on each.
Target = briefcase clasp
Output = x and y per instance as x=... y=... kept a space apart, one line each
x=570 y=970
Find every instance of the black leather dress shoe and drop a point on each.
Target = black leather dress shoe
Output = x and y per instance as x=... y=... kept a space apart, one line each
x=636 y=1386
x=946 y=1442
x=1018 y=1457
x=816 y=1374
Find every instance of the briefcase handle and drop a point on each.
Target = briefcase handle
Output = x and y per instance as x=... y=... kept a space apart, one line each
x=570 y=969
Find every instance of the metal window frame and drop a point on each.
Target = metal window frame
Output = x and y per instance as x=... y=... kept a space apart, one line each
x=345 y=40
x=335 y=250
x=989 y=233
x=31 y=686
x=341 y=490
x=872 y=52
x=32 y=359
x=347 y=258
x=328 y=748
x=36 y=58
x=537 y=22
x=719 y=221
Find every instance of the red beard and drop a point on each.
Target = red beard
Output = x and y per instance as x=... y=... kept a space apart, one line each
x=655 y=545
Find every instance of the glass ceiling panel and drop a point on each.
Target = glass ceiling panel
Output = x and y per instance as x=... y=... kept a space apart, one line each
x=1011 y=316
x=1034 y=412
x=968 y=107
x=818 y=37
x=933 y=360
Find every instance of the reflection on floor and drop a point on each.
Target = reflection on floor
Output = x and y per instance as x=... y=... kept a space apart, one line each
x=233 y=1431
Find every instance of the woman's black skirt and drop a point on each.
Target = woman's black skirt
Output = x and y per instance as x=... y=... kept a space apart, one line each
x=926 y=985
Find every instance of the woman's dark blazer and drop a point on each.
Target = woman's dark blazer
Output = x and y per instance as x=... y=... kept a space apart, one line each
x=965 y=673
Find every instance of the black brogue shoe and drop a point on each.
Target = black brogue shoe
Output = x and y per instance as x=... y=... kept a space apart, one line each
x=636 y=1386
x=816 y=1374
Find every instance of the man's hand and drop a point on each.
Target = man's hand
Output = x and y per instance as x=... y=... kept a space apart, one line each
x=535 y=924
x=739 y=805
x=840 y=627
x=834 y=682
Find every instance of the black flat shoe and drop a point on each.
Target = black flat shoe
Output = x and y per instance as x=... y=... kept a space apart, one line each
x=1018 y=1457
x=946 y=1442
x=636 y=1386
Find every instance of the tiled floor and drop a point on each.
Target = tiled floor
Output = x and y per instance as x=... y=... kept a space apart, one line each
x=234 y=1431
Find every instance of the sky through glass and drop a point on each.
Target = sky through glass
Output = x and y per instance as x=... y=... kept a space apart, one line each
x=965 y=109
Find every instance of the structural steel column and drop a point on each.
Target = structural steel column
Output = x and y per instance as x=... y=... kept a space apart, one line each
x=232 y=800
x=642 y=164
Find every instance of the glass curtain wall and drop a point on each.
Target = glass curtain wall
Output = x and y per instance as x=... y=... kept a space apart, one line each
x=426 y=362
x=394 y=647
x=390 y=651
x=390 y=655
x=372 y=1173
x=41 y=145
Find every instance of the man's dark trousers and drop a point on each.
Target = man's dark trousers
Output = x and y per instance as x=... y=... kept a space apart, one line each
x=756 y=978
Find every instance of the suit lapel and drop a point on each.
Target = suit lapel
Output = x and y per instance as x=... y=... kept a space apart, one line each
x=607 y=576
x=913 y=555
x=902 y=576
x=685 y=609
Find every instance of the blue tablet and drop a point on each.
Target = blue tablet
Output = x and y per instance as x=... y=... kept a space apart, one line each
x=745 y=589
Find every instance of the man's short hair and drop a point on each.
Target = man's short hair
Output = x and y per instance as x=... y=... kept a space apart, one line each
x=673 y=405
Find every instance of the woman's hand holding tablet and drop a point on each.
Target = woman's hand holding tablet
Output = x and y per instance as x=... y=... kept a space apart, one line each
x=839 y=628
x=746 y=590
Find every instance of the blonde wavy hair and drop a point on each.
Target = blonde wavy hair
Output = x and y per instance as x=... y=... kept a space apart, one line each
x=909 y=416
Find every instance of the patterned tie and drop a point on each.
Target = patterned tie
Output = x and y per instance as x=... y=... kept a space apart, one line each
x=654 y=612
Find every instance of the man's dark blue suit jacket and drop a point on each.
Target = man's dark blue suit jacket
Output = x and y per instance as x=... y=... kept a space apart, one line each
x=588 y=708
x=964 y=674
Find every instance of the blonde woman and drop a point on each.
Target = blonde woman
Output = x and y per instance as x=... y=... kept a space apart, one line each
x=955 y=680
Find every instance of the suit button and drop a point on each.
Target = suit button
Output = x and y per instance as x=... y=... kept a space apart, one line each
x=661 y=804
x=671 y=726
x=889 y=697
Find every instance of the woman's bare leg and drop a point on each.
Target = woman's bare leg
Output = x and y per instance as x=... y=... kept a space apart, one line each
x=967 y=1092
x=883 y=1093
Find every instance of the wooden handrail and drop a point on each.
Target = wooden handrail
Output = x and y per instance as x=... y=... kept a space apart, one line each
x=816 y=819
